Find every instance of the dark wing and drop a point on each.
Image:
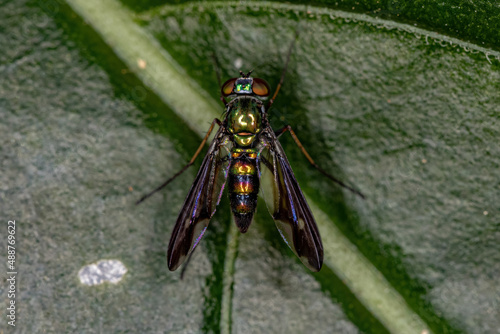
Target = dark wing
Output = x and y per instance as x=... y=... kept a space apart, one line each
x=287 y=204
x=201 y=202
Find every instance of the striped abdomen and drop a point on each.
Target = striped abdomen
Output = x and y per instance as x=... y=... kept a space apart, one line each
x=243 y=182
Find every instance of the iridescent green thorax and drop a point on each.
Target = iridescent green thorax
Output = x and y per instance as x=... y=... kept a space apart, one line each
x=244 y=120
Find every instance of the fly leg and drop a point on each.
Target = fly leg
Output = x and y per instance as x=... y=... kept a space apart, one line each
x=217 y=72
x=284 y=71
x=322 y=171
x=216 y=120
x=184 y=267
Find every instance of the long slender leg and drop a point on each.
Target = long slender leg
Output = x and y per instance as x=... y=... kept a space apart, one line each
x=184 y=267
x=216 y=120
x=217 y=72
x=284 y=71
x=322 y=171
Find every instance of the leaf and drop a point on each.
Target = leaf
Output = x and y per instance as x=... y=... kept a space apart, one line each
x=397 y=108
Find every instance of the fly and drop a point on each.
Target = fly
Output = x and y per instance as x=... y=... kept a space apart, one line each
x=245 y=156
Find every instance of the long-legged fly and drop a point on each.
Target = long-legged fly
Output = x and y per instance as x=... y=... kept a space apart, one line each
x=245 y=156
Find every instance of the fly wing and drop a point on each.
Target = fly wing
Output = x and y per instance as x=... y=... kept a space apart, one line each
x=200 y=203
x=287 y=205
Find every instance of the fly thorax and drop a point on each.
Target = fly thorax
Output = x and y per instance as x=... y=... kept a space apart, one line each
x=244 y=121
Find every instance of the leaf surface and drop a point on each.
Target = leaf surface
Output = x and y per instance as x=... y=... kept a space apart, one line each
x=94 y=114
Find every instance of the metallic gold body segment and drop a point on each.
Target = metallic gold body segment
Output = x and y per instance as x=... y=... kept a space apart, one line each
x=244 y=140
x=243 y=188
x=243 y=168
x=243 y=208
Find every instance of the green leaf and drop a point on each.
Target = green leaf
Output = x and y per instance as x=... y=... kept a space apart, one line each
x=119 y=103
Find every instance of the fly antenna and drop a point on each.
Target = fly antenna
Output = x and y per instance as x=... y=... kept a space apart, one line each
x=284 y=70
x=243 y=75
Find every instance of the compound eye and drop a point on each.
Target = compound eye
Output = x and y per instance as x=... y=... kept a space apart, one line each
x=227 y=87
x=260 y=87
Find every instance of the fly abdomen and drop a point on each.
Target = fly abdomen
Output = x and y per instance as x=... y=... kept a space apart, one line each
x=243 y=189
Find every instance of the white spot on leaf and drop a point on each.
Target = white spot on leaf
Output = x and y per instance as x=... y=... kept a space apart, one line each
x=103 y=271
x=238 y=62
